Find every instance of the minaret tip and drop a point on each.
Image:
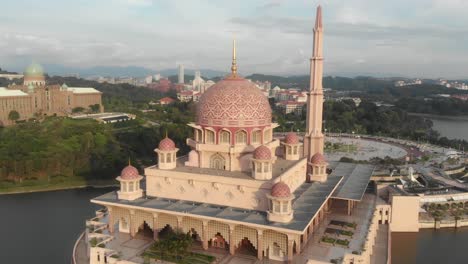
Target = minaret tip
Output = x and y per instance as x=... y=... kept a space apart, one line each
x=234 y=62
x=318 y=19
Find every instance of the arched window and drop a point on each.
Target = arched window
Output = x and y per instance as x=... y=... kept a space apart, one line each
x=217 y=162
x=210 y=137
x=277 y=207
x=161 y=158
x=276 y=249
x=168 y=157
x=267 y=136
x=198 y=135
x=224 y=137
x=285 y=207
x=130 y=187
x=241 y=137
x=256 y=137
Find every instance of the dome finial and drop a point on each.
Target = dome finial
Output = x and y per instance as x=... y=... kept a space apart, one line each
x=129 y=161
x=234 y=63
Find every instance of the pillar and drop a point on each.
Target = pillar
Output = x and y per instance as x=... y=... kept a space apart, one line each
x=260 y=244
x=290 y=249
x=110 y=220
x=305 y=236
x=179 y=223
x=132 y=223
x=155 y=224
x=232 y=247
x=349 y=207
x=205 y=235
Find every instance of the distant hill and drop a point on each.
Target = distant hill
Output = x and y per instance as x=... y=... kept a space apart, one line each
x=122 y=71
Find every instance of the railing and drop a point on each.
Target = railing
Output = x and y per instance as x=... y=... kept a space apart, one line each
x=75 y=246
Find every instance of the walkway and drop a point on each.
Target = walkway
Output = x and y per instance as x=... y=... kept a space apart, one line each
x=322 y=252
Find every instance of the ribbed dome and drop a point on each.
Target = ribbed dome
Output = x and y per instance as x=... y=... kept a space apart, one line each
x=291 y=138
x=129 y=173
x=166 y=144
x=233 y=102
x=34 y=70
x=280 y=190
x=262 y=153
x=317 y=159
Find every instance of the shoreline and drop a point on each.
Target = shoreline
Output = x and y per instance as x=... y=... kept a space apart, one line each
x=449 y=117
x=97 y=186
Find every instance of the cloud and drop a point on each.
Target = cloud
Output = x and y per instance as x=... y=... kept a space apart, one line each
x=139 y=2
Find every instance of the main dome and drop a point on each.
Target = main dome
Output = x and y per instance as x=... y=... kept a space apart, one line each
x=34 y=70
x=233 y=102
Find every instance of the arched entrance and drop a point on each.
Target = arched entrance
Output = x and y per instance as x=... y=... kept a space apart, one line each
x=274 y=252
x=195 y=236
x=218 y=162
x=166 y=232
x=246 y=247
x=219 y=242
x=145 y=231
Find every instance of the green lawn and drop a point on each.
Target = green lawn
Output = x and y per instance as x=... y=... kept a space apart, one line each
x=195 y=258
x=43 y=185
x=329 y=240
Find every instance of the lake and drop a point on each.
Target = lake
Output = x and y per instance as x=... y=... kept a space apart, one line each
x=452 y=128
x=43 y=227
x=431 y=246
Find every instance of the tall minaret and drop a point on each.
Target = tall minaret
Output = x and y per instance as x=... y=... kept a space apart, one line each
x=313 y=140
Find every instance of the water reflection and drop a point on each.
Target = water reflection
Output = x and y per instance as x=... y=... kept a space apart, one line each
x=431 y=246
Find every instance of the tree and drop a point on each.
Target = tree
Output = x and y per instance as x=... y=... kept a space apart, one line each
x=78 y=109
x=95 y=108
x=13 y=115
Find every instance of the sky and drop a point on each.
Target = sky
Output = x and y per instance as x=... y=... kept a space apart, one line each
x=416 y=38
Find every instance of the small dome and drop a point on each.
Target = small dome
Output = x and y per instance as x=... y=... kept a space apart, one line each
x=262 y=153
x=34 y=70
x=280 y=190
x=291 y=138
x=166 y=144
x=317 y=159
x=129 y=173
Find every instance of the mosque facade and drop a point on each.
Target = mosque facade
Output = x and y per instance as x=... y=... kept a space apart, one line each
x=239 y=189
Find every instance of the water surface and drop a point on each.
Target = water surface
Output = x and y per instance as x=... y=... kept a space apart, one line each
x=43 y=227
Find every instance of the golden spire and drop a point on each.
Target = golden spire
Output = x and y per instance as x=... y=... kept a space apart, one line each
x=129 y=161
x=234 y=63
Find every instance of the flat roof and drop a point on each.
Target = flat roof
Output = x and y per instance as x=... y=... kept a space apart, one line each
x=82 y=90
x=4 y=92
x=310 y=197
x=279 y=167
x=356 y=177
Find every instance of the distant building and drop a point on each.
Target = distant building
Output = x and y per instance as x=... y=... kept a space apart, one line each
x=35 y=97
x=199 y=84
x=157 y=77
x=187 y=96
x=149 y=79
x=181 y=73
x=166 y=101
x=291 y=107
x=407 y=83
x=11 y=76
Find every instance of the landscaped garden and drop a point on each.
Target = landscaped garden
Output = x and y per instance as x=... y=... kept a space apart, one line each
x=175 y=247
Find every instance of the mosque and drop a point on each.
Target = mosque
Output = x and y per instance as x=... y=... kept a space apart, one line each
x=36 y=97
x=240 y=189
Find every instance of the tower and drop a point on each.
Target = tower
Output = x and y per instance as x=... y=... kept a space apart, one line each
x=313 y=140
x=181 y=73
x=129 y=183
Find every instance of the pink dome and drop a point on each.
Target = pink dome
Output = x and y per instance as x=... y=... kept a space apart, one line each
x=233 y=102
x=166 y=144
x=262 y=153
x=280 y=190
x=317 y=159
x=291 y=138
x=129 y=173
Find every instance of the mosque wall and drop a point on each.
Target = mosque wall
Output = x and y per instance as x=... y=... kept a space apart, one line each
x=240 y=192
